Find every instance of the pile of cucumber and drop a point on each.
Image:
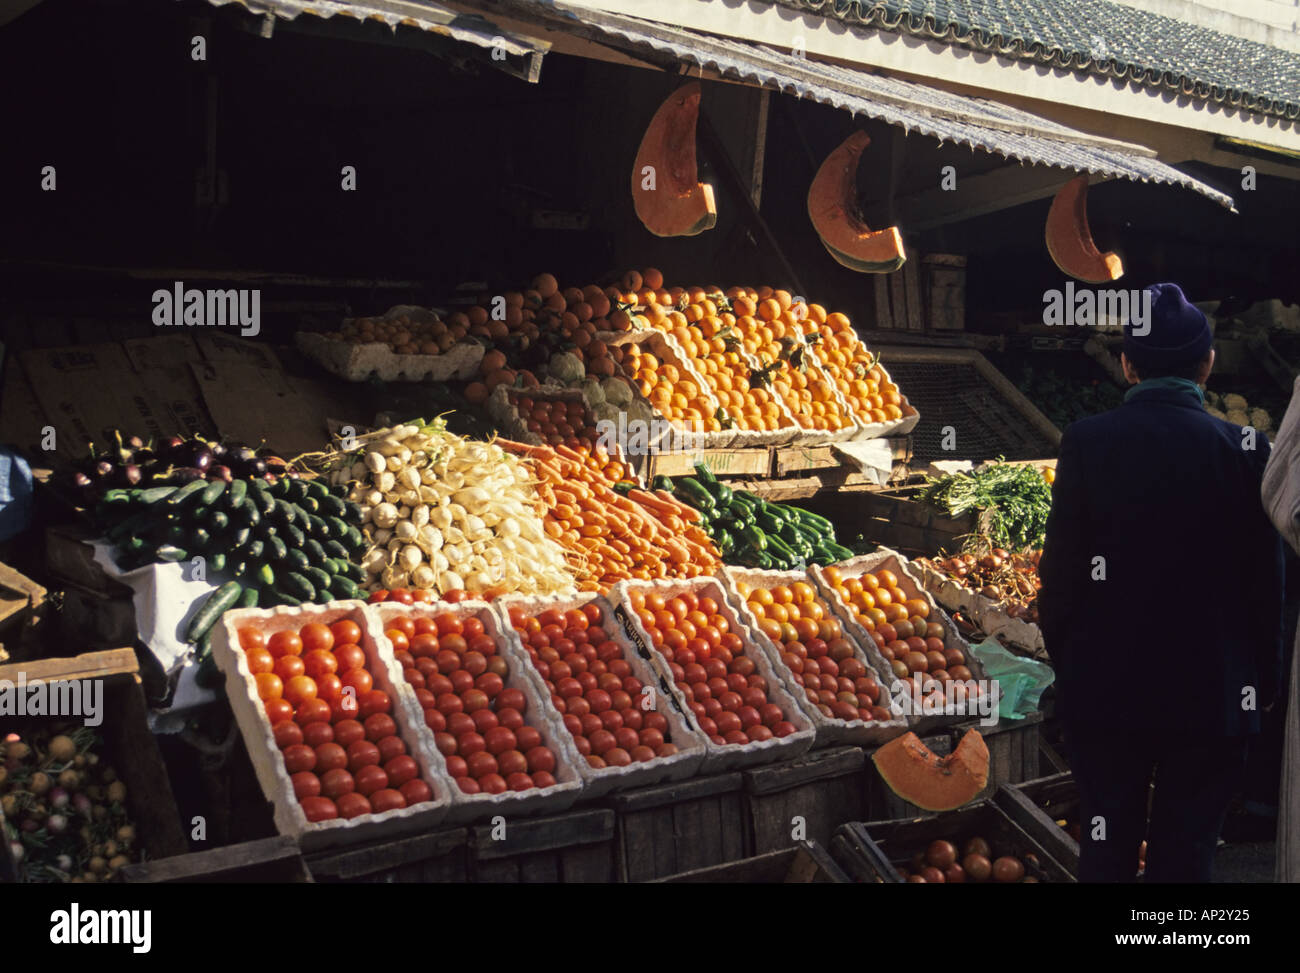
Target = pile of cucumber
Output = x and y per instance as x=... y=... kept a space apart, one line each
x=285 y=543
x=754 y=532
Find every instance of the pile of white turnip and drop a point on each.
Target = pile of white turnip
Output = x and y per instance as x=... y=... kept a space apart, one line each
x=64 y=807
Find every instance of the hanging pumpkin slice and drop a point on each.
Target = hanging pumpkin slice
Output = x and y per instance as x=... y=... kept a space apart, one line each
x=916 y=774
x=833 y=205
x=670 y=200
x=1069 y=240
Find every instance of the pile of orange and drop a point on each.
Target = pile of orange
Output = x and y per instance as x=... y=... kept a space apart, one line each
x=865 y=385
x=402 y=335
x=672 y=390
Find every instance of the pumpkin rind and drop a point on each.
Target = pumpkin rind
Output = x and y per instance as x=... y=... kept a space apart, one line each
x=832 y=207
x=1069 y=239
x=679 y=205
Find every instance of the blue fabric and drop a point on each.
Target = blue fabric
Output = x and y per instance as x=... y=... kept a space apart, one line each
x=1190 y=612
x=1178 y=332
x=15 y=494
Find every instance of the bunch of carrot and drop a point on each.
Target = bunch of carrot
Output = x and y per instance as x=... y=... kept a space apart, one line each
x=608 y=537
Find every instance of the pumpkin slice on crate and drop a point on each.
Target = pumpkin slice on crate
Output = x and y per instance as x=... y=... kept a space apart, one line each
x=833 y=209
x=932 y=783
x=1069 y=239
x=669 y=198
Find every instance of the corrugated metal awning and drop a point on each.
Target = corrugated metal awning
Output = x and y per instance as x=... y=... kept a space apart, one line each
x=428 y=17
x=961 y=119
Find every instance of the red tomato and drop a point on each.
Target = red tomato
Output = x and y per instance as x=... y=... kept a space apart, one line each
x=299 y=689
x=352 y=805
x=348 y=732
x=349 y=656
x=376 y=597
x=305 y=784
x=299 y=758
x=313 y=711
x=401 y=769
x=284 y=643
x=372 y=702
x=617 y=757
x=378 y=726
x=425 y=645
x=402 y=596
x=783 y=729
x=251 y=638
x=627 y=738
x=434 y=719
x=314 y=734
x=278 y=710
x=416 y=791
x=363 y=753
x=519 y=782
x=269 y=686
x=329 y=688
x=449 y=624
x=655 y=721
x=543 y=778
x=424 y=596
x=318 y=808
x=493 y=784
x=651 y=738
x=484 y=720
x=527 y=737
x=330 y=756
x=337 y=782
x=602 y=741
x=480 y=764
x=259 y=661
x=371 y=778
x=445 y=742
x=511 y=699
x=540 y=759
x=390 y=747
x=345 y=632
x=316 y=636
x=458 y=723
x=358 y=679
x=287 y=733
x=424 y=625
x=318 y=662
x=468 y=744
x=491 y=684
x=400 y=642
x=468 y=785
x=457 y=767
x=511 y=762
x=510 y=718
x=640 y=754
x=414 y=678
x=499 y=739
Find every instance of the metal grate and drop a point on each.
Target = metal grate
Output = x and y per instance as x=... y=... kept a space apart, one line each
x=985 y=423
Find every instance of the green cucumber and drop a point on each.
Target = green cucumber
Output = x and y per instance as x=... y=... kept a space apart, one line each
x=296 y=491
x=170 y=552
x=250 y=598
x=312 y=548
x=355 y=542
x=694 y=493
x=333 y=507
x=282 y=597
x=262 y=498
x=191 y=489
x=265 y=575
x=338 y=528
x=317 y=490
x=296 y=559
x=278 y=488
x=297 y=585
x=276 y=549
x=334 y=549
x=354 y=513
x=241 y=537
x=355 y=573
x=212 y=493
x=309 y=505
x=200 y=539
x=216 y=604
x=236 y=495
x=218 y=521
x=317 y=528
x=319 y=578
x=217 y=561
x=294 y=537
x=156 y=494
x=755 y=538
x=208 y=676
x=343 y=589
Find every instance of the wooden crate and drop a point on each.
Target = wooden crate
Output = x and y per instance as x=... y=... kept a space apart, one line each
x=22 y=607
x=127 y=742
x=274 y=860
x=1037 y=806
x=577 y=846
x=1013 y=748
x=680 y=827
x=723 y=462
x=872 y=851
x=945 y=291
x=802 y=863
x=440 y=856
x=896 y=519
x=825 y=789
x=884 y=804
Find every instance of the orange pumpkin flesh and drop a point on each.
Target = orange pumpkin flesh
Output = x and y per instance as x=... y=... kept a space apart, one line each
x=832 y=207
x=679 y=204
x=916 y=774
x=1069 y=240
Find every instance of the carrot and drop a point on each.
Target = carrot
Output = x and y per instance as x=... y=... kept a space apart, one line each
x=685 y=511
x=571 y=454
x=676 y=552
x=651 y=501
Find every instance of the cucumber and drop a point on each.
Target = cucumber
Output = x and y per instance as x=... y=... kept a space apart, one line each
x=216 y=604
x=312 y=548
x=170 y=552
x=217 y=562
x=339 y=489
x=175 y=534
x=261 y=497
x=317 y=528
x=333 y=507
x=296 y=490
x=249 y=598
x=218 y=521
x=334 y=549
x=276 y=549
x=297 y=585
x=319 y=578
x=239 y=568
x=236 y=495
x=277 y=489
x=247 y=513
x=317 y=490
x=309 y=505
x=212 y=493
x=337 y=528
x=265 y=575
x=208 y=676
x=355 y=573
x=343 y=589
x=296 y=559
x=156 y=494
x=286 y=513
x=191 y=489
x=241 y=537
x=284 y=598
x=253 y=550
x=200 y=539
x=354 y=513
x=355 y=542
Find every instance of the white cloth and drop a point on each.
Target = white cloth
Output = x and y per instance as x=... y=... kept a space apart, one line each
x=1281 y=494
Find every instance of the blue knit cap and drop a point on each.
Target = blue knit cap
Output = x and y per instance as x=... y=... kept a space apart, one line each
x=1177 y=334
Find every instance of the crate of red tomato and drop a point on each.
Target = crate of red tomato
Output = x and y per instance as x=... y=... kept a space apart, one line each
x=823 y=665
x=716 y=672
x=482 y=712
x=609 y=699
x=332 y=731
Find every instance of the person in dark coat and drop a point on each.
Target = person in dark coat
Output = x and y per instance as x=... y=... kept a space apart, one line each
x=1161 y=606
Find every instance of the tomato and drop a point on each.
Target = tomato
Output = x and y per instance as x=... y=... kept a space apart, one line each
x=378 y=726
x=480 y=764
x=259 y=661
x=602 y=741
x=362 y=753
x=299 y=689
x=329 y=688
x=401 y=769
x=499 y=739
x=269 y=686
x=377 y=597
x=305 y=784
x=493 y=784
x=493 y=685
x=251 y=638
x=314 y=734
x=390 y=747
x=318 y=662
x=758 y=733
x=284 y=643
x=330 y=756
x=511 y=762
x=404 y=624
x=387 y=800
x=617 y=757
x=424 y=646
x=287 y=733
x=352 y=805
x=484 y=720
x=345 y=632
x=337 y=782
x=402 y=596
x=543 y=778
x=461 y=682
x=313 y=711
x=468 y=744
x=318 y=808
x=359 y=680
x=448 y=624
x=519 y=782
x=298 y=758
x=511 y=718
x=278 y=710
x=783 y=729
x=627 y=738
x=370 y=778
x=375 y=701
x=348 y=732
x=349 y=657
x=414 y=678
x=434 y=719
x=540 y=758
x=527 y=737
x=456 y=766
x=400 y=642
x=467 y=784
x=416 y=791
x=511 y=699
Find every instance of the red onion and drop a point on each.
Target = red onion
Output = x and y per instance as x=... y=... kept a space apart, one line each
x=59 y=798
x=81 y=804
x=56 y=824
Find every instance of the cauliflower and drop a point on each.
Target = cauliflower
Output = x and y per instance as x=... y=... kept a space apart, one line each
x=1216 y=413
x=1238 y=417
x=1233 y=402
x=617 y=391
x=1212 y=399
x=592 y=390
x=566 y=368
x=1261 y=420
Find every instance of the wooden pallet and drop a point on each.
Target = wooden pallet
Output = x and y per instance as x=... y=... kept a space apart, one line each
x=805 y=799
x=274 y=860
x=679 y=827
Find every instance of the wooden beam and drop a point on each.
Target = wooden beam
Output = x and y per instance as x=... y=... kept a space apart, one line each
x=974 y=196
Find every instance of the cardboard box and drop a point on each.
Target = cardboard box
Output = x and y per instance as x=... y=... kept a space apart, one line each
x=163 y=368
